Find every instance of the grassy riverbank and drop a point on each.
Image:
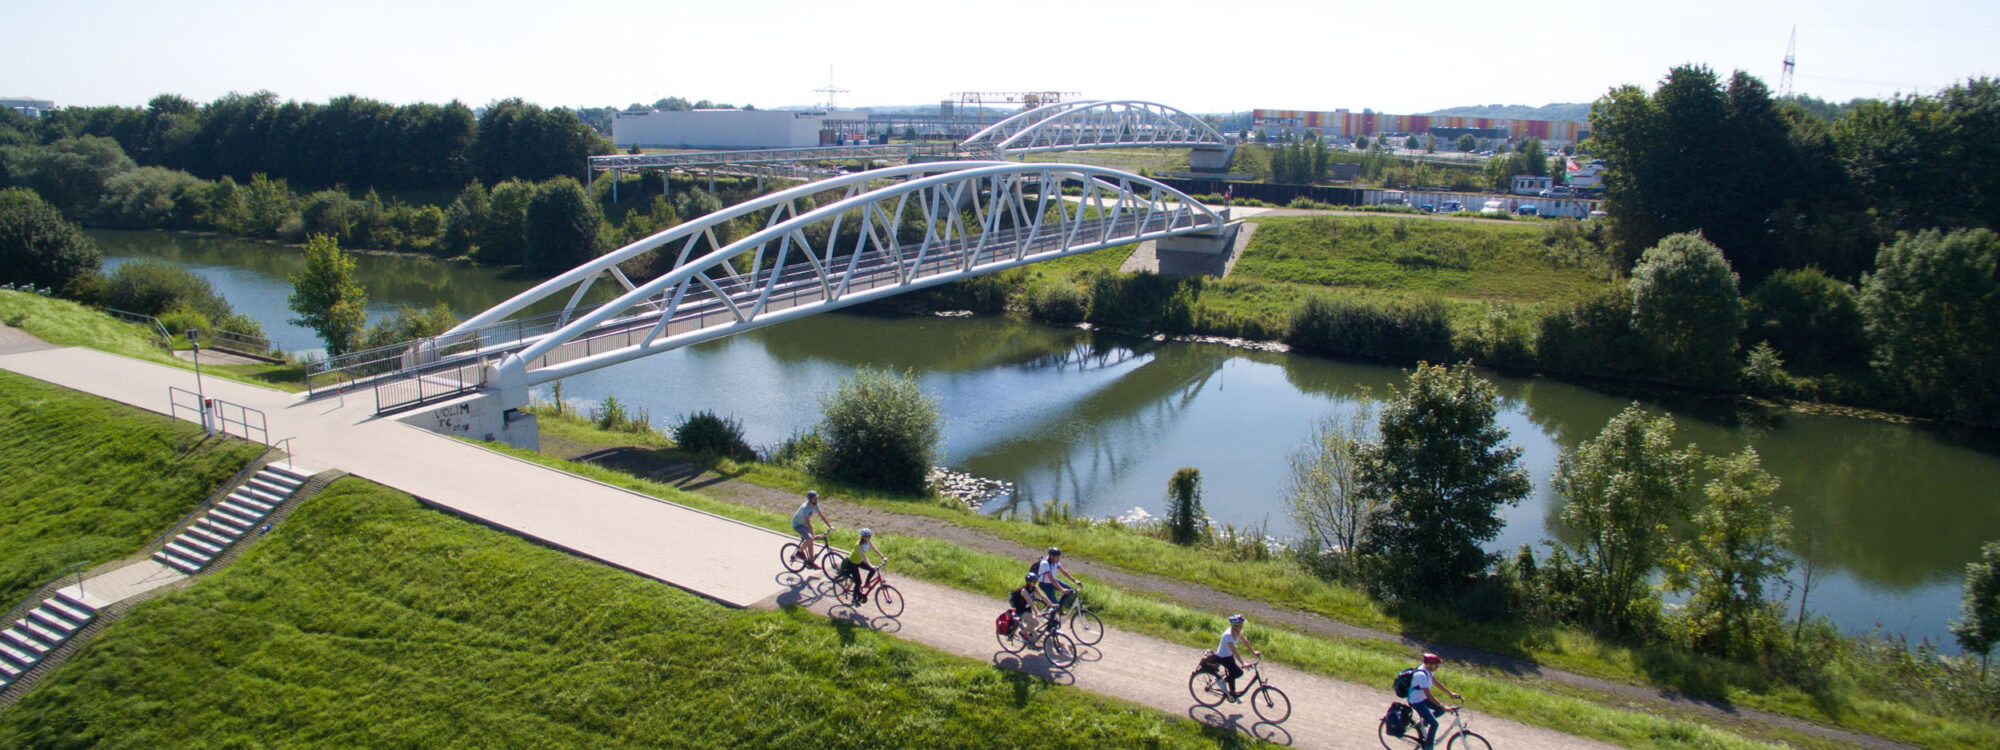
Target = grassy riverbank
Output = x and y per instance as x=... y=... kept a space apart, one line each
x=65 y=323
x=1857 y=691
x=366 y=620
x=84 y=480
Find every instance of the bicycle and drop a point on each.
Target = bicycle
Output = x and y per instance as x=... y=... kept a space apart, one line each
x=1086 y=626
x=887 y=599
x=826 y=559
x=1058 y=647
x=1457 y=736
x=1208 y=689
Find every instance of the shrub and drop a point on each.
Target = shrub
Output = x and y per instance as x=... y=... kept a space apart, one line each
x=151 y=198
x=1595 y=336
x=881 y=431
x=1058 y=302
x=1400 y=331
x=1684 y=299
x=150 y=286
x=612 y=415
x=180 y=320
x=705 y=432
x=1185 y=521
x=1144 y=301
x=1933 y=311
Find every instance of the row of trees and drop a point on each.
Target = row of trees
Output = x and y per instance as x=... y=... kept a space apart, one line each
x=1403 y=501
x=349 y=140
x=1782 y=186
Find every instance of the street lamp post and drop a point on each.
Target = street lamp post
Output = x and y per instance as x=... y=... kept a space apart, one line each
x=194 y=339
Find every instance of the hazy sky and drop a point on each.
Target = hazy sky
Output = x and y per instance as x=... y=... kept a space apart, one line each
x=1199 y=56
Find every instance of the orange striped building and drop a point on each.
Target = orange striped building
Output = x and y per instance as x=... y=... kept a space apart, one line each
x=1349 y=125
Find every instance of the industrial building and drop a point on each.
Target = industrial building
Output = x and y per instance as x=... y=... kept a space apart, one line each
x=29 y=107
x=739 y=128
x=1341 y=124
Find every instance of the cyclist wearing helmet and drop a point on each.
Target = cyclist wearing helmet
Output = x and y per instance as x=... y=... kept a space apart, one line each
x=1023 y=600
x=858 y=562
x=1427 y=706
x=1227 y=651
x=802 y=523
x=1046 y=573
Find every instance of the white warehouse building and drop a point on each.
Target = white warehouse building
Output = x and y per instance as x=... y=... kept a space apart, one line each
x=737 y=128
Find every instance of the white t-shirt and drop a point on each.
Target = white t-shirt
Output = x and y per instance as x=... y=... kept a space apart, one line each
x=804 y=514
x=1420 y=686
x=1227 y=648
x=1047 y=571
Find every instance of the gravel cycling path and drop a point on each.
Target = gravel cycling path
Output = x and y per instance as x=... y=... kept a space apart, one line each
x=644 y=463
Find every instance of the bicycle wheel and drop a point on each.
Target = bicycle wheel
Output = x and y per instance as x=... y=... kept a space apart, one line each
x=1206 y=687
x=1085 y=625
x=829 y=561
x=1468 y=741
x=789 y=555
x=1271 y=704
x=888 y=600
x=1011 y=641
x=1410 y=739
x=1060 y=650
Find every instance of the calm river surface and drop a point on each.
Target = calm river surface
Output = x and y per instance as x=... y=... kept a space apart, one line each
x=1102 y=422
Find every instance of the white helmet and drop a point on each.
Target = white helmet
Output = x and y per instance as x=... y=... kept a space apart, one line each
x=865 y=533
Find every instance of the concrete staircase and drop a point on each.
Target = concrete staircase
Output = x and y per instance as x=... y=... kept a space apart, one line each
x=229 y=520
x=44 y=630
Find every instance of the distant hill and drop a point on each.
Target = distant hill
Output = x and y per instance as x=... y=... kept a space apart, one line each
x=1578 y=112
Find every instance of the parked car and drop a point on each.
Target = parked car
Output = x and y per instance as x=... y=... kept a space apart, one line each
x=1599 y=214
x=1427 y=208
x=1528 y=209
x=1492 y=207
x=1557 y=192
x=1451 y=207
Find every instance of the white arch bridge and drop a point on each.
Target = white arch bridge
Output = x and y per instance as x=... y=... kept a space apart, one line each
x=805 y=250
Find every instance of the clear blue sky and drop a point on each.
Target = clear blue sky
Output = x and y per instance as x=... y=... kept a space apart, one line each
x=1199 y=56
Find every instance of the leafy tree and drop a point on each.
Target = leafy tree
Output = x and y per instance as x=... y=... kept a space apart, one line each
x=1467 y=143
x=1324 y=495
x=327 y=298
x=1184 y=516
x=1441 y=471
x=1734 y=549
x=1684 y=300
x=560 y=228
x=39 y=247
x=1531 y=159
x=1933 y=312
x=1625 y=490
x=504 y=240
x=1814 y=319
x=1412 y=143
x=466 y=219
x=1360 y=142
x=881 y=431
x=70 y=173
x=151 y=286
x=409 y=324
x=151 y=198
x=1979 y=629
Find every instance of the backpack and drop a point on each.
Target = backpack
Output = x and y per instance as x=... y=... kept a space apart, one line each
x=1035 y=567
x=1402 y=683
x=1397 y=721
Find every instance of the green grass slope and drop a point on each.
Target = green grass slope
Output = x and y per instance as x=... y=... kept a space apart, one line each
x=85 y=479
x=367 y=620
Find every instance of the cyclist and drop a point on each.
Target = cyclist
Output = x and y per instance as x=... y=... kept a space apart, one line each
x=1023 y=600
x=1233 y=642
x=1046 y=572
x=802 y=523
x=851 y=568
x=1427 y=706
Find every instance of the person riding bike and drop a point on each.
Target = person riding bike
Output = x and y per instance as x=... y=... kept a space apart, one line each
x=802 y=523
x=1023 y=600
x=1427 y=706
x=1227 y=653
x=1046 y=572
x=857 y=562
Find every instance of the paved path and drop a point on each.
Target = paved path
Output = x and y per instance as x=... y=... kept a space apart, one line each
x=725 y=560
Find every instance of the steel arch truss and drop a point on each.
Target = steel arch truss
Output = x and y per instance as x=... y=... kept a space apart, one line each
x=1069 y=126
x=940 y=223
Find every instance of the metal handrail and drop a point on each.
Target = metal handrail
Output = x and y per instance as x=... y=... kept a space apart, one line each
x=287 y=450
x=46 y=590
x=240 y=342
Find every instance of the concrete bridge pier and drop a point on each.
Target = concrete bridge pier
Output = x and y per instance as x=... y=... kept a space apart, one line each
x=1210 y=158
x=489 y=414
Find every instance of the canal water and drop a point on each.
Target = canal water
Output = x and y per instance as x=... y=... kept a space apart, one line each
x=1101 y=422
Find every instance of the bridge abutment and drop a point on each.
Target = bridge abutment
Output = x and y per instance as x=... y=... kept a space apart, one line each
x=492 y=415
x=1206 y=253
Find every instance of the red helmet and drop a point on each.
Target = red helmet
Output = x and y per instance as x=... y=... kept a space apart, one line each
x=1430 y=659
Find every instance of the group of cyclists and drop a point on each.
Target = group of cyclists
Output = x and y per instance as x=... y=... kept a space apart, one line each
x=1043 y=589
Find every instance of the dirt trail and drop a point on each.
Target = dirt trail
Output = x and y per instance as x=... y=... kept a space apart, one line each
x=645 y=463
